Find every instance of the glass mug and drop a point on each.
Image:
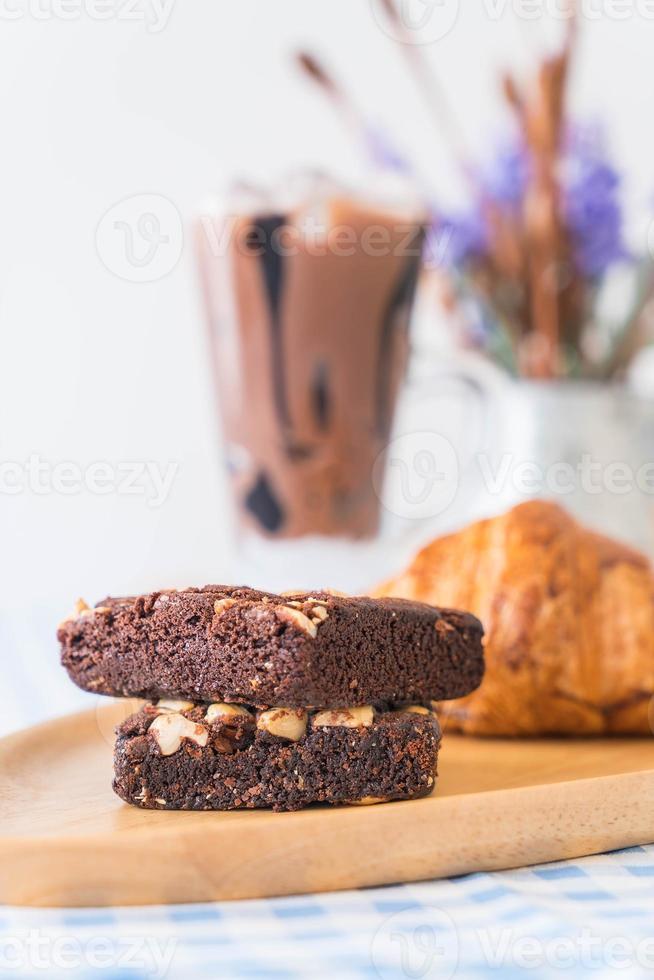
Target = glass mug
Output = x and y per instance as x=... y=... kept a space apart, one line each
x=309 y=304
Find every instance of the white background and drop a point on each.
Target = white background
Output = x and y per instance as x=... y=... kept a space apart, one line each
x=94 y=367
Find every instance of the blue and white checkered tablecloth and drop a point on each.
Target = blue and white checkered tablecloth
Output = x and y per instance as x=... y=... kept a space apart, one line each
x=592 y=916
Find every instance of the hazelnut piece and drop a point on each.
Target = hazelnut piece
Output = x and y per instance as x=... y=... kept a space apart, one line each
x=170 y=729
x=221 y=710
x=344 y=717
x=290 y=723
x=173 y=704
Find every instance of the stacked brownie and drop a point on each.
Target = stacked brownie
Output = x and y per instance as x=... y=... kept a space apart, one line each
x=261 y=700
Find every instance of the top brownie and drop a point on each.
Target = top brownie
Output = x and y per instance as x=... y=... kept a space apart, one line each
x=236 y=644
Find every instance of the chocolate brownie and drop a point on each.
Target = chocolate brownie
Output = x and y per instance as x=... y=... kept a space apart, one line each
x=237 y=644
x=190 y=756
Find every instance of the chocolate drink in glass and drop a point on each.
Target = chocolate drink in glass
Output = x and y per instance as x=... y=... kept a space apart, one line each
x=308 y=311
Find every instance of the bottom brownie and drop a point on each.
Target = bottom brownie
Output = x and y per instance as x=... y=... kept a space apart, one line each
x=179 y=755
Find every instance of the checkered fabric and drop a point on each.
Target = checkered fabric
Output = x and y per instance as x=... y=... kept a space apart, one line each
x=594 y=915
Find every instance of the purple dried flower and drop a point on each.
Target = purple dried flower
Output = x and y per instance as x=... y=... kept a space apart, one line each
x=455 y=240
x=505 y=179
x=383 y=153
x=591 y=203
x=592 y=206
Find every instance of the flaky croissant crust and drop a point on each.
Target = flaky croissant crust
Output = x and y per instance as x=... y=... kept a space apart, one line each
x=569 y=619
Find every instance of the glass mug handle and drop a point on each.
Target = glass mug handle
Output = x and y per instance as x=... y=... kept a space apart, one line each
x=426 y=479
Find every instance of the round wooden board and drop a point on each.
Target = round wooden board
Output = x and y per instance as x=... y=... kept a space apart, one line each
x=66 y=840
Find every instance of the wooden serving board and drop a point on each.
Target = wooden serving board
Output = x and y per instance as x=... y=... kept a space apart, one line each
x=65 y=839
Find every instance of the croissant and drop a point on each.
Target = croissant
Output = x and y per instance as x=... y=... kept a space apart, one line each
x=569 y=619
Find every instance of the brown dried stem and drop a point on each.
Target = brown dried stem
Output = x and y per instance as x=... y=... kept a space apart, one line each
x=432 y=91
x=345 y=107
x=540 y=112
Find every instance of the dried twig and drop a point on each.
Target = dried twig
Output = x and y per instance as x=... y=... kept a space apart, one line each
x=540 y=112
x=433 y=92
x=345 y=106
